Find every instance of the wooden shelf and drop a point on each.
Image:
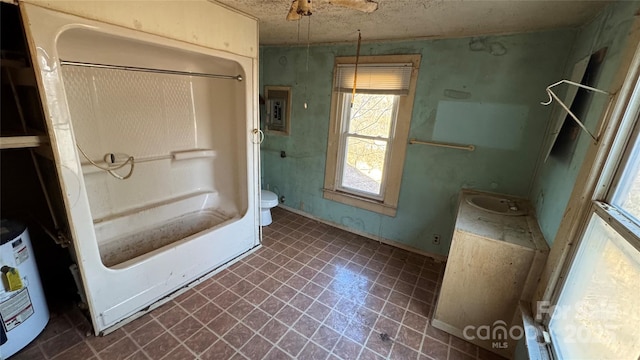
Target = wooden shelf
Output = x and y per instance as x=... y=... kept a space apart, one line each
x=23 y=141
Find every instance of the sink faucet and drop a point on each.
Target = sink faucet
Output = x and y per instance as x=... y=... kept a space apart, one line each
x=512 y=205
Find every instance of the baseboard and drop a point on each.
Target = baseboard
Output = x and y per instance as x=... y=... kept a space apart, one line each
x=399 y=245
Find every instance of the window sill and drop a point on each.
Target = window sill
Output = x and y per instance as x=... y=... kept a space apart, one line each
x=360 y=202
x=536 y=347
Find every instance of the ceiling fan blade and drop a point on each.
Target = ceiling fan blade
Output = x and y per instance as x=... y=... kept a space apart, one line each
x=367 y=6
x=293 y=11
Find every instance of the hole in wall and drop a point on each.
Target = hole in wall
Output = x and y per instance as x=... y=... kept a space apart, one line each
x=566 y=141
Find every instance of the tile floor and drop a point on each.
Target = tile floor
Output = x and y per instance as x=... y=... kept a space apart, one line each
x=311 y=292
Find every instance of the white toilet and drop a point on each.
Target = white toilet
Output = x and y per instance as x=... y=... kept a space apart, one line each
x=268 y=200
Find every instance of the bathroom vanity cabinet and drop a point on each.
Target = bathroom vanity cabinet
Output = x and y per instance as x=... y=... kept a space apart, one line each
x=496 y=256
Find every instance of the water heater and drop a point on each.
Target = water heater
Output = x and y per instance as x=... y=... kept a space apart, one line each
x=23 y=308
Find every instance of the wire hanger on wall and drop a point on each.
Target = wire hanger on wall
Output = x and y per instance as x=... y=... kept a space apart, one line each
x=553 y=96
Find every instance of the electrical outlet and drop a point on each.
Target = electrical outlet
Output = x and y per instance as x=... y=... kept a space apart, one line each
x=436 y=239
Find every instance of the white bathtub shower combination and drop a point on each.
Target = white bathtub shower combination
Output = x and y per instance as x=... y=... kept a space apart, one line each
x=177 y=121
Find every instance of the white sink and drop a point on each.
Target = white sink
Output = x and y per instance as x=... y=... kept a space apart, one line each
x=496 y=205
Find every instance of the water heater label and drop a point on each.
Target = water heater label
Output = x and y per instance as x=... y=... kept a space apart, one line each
x=21 y=254
x=16 y=309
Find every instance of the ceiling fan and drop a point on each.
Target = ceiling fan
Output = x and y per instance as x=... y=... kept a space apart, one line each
x=300 y=8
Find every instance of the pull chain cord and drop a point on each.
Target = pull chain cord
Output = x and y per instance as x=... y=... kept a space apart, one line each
x=355 y=74
x=111 y=169
x=307 y=74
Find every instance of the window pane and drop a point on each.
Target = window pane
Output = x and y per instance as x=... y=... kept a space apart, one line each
x=364 y=165
x=598 y=312
x=627 y=192
x=371 y=115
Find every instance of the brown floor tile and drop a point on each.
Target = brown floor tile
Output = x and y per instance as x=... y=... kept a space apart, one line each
x=313 y=352
x=207 y=313
x=312 y=290
x=288 y=315
x=273 y=330
x=326 y=337
x=297 y=282
x=329 y=298
x=308 y=281
x=29 y=353
x=187 y=327
x=464 y=346
x=172 y=316
x=409 y=338
x=347 y=348
x=140 y=355
x=347 y=307
x=223 y=323
x=393 y=312
x=272 y=305
x=378 y=345
x=219 y=350
x=357 y=332
x=193 y=302
x=292 y=343
x=437 y=334
x=81 y=351
x=256 y=319
x=180 y=353
x=256 y=277
x=488 y=355
x=306 y=326
x=337 y=321
x=277 y=354
x=242 y=287
x=270 y=285
x=285 y=293
x=455 y=354
x=256 y=348
x=401 y=352
x=384 y=325
x=322 y=279
x=318 y=311
x=201 y=340
x=434 y=349
x=59 y=343
x=228 y=279
x=238 y=336
x=399 y=299
x=120 y=350
x=58 y=323
x=98 y=343
x=147 y=332
x=368 y=354
x=240 y=309
x=301 y=301
x=226 y=299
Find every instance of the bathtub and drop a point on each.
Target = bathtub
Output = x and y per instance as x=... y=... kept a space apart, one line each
x=189 y=205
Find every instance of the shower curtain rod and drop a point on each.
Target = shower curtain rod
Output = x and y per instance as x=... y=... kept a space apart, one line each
x=149 y=70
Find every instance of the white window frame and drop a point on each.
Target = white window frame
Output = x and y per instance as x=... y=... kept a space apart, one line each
x=387 y=201
x=611 y=155
x=345 y=101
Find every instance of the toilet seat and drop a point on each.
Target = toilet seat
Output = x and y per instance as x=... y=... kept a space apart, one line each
x=268 y=199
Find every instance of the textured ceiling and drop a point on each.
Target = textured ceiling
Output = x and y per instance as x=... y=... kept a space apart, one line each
x=410 y=19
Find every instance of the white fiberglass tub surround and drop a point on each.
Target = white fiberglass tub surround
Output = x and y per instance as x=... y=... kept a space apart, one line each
x=190 y=204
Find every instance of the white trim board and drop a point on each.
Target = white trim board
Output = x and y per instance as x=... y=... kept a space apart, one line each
x=399 y=245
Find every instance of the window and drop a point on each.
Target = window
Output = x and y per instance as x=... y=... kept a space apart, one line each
x=597 y=312
x=369 y=130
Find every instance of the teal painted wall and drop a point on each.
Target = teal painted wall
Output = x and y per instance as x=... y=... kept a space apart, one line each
x=501 y=116
x=556 y=178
